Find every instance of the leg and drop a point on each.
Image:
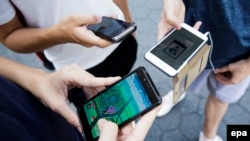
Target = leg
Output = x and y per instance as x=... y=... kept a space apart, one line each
x=214 y=112
x=217 y=104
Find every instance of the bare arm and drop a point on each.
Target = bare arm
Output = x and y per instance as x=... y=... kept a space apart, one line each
x=51 y=88
x=22 y=75
x=172 y=15
x=123 y=5
x=72 y=29
x=25 y=39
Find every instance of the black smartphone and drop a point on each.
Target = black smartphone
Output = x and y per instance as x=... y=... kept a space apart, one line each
x=113 y=30
x=121 y=103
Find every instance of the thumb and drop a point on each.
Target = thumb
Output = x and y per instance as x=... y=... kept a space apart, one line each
x=108 y=130
x=197 y=25
x=87 y=19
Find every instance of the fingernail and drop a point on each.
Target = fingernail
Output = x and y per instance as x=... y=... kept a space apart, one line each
x=79 y=129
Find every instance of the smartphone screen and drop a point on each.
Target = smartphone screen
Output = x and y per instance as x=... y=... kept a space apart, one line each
x=121 y=103
x=175 y=49
x=112 y=29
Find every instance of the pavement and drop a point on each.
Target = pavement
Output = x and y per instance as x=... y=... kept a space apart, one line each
x=185 y=120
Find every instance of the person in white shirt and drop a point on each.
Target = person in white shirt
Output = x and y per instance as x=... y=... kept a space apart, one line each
x=58 y=28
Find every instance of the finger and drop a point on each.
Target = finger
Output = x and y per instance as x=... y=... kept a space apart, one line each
x=89 y=39
x=127 y=130
x=85 y=19
x=99 y=89
x=174 y=22
x=89 y=92
x=81 y=71
x=144 y=124
x=83 y=78
x=69 y=115
x=105 y=81
x=108 y=130
x=170 y=18
x=98 y=81
x=197 y=25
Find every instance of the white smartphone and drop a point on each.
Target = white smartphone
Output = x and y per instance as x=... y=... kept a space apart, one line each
x=175 y=49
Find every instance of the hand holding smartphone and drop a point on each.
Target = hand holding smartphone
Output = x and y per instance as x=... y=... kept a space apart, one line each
x=121 y=103
x=113 y=30
x=176 y=49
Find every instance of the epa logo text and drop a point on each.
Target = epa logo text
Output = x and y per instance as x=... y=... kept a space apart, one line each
x=239 y=133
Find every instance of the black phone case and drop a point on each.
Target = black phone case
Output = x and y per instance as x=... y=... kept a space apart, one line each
x=157 y=102
x=109 y=24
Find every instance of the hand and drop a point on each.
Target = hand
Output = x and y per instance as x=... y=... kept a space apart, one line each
x=52 y=89
x=110 y=132
x=233 y=73
x=172 y=15
x=73 y=29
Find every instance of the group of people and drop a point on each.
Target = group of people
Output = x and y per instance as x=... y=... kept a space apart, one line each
x=34 y=104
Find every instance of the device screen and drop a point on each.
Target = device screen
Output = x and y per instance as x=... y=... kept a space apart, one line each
x=110 y=27
x=177 y=48
x=123 y=101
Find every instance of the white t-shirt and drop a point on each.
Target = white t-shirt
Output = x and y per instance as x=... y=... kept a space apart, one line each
x=45 y=13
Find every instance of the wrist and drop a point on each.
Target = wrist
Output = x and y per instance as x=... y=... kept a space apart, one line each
x=56 y=35
x=29 y=79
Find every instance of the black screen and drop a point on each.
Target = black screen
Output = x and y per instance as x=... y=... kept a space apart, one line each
x=177 y=48
x=110 y=27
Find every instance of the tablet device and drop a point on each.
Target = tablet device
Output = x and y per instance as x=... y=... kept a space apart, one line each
x=175 y=49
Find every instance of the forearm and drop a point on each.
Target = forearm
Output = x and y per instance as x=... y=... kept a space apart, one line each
x=17 y=37
x=123 y=5
x=22 y=75
x=28 y=40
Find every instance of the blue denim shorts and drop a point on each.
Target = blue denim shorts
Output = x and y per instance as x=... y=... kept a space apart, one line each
x=224 y=93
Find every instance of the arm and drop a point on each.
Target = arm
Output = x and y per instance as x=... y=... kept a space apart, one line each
x=123 y=5
x=51 y=88
x=20 y=74
x=20 y=38
x=172 y=15
x=72 y=29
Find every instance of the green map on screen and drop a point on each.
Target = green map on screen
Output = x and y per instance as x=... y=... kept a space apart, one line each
x=119 y=103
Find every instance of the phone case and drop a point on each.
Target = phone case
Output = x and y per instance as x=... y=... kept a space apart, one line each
x=122 y=102
x=113 y=30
